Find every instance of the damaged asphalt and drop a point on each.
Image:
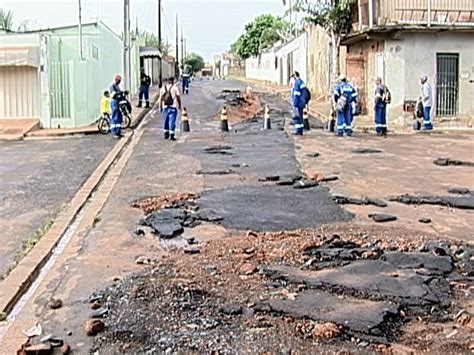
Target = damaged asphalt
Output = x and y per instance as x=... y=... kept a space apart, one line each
x=281 y=279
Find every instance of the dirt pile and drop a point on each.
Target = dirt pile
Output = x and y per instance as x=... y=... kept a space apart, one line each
x=154 y=203
x=240 y=108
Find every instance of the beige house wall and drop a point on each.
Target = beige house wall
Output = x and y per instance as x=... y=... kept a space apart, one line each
x=319 y=62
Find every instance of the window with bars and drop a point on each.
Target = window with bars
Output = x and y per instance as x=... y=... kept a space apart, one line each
x=447 y=84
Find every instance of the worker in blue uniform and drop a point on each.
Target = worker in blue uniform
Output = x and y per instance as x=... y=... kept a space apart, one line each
x=186 y=78
x=117 y=94
x=345 y=95
x=298 y=102
x=380 y=108
x=144 y=95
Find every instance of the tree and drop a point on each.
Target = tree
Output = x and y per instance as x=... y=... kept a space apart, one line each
x=195 y=61
x=262 y=33
x=335 y=17
x=6 y=20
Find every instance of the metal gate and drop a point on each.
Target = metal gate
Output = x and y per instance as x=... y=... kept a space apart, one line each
x=447 y=84
x=60 y=82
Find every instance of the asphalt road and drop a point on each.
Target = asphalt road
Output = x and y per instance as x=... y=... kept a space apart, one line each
x=37 y=177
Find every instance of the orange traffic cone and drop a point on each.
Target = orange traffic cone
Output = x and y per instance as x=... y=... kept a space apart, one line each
x=185 y=120
x=306 y=119
x=224 y=120
x=267 y=124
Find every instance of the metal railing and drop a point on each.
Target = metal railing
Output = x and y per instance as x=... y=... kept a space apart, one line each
x=424 y=12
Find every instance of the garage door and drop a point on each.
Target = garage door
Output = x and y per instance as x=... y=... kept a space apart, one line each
x=19 y=92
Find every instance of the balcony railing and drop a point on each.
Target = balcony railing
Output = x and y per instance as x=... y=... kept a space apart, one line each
x=416 y=12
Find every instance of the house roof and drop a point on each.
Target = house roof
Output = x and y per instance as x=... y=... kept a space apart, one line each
x=94 y=23
x=390 y=31
x=150 y=52
x=87 y=24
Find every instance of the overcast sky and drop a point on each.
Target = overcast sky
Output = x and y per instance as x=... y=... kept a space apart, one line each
x=210 y=26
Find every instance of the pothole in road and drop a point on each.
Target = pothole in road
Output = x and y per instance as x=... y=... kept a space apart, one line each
x=270 y=291
x=367 y=290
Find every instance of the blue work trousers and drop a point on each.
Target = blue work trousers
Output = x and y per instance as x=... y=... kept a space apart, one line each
x=298 y=120
x=427 y=123
x=170 y=115
x=185 y=84
x=344 y=122
x=381 y=119
x=116 y=119
x=144 y=95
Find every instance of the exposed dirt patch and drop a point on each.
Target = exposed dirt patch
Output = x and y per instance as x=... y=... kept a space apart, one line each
x=240 y=108
x=223 y=300
x=154 y=203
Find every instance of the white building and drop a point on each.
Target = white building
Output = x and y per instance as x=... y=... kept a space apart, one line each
x=277 y=64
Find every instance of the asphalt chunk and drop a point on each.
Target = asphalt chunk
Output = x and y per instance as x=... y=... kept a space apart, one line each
x=272 y=208
x=462 y=202
x=452 y=162
x=461 y=191
x=357 y=315
x=367 y=151
x=382 y=217
x=364 y=201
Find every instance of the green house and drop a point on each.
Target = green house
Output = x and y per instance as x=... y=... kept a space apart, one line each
x=52 y=82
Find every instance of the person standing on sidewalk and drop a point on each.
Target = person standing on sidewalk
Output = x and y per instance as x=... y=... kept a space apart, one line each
x=344 y=96
x=298 y=102
x=117 y=95
x=381 y=100
x=144 y=95
x=170 y=103
x=426 y=99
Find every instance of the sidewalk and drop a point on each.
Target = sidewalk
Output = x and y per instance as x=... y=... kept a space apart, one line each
x=321 y=108
x=15 y=129
x=137 y=115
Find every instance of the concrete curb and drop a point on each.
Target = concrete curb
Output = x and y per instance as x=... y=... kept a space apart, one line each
x=24 y=274
x=88 y=130
x=136 y=122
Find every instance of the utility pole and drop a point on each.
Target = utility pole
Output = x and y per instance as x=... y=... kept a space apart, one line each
x=291 y=18
x=177 y=47
x=185 y=49
x=81 y=51
x=160 y=80
x=182 y=49
x=126 y=45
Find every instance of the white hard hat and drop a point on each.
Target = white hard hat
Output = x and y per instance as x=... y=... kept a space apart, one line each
x=341 y=77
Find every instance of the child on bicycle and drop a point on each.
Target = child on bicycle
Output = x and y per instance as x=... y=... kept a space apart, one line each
x=105 y=105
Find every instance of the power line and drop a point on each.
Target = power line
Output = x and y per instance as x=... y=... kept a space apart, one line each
x=166 y=20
